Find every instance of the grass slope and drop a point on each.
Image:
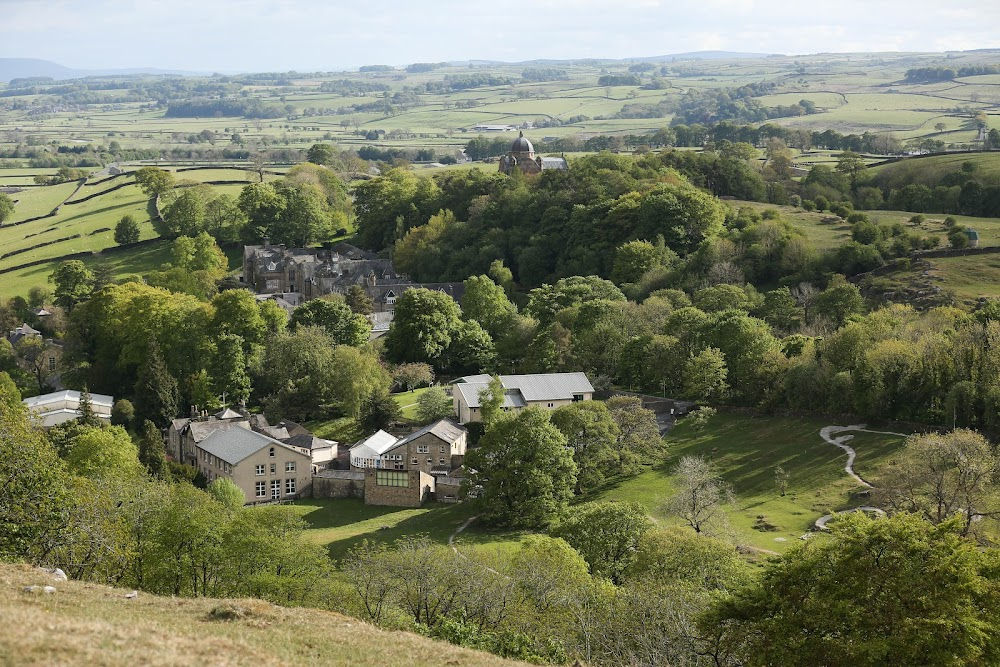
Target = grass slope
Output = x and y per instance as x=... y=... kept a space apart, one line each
x=87 y=624
x=746 y=451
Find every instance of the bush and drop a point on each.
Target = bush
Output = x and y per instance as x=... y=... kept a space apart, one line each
x=949 y=222
x=794 y=200
x=919 y=218
x=822 y=203
x=808 y=205
x=122 y=413
x=958 y=238
x=857 y=217
x=770 y=214
x=843 y=209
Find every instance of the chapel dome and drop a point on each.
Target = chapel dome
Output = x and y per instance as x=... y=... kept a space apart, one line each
x=522 y=145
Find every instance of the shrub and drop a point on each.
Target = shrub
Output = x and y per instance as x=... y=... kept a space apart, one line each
x=857 y=217
x=794 y=200
x=918 y=218
x=770 y=214
x=949 y=222
x=822 y=203
x=808 y=205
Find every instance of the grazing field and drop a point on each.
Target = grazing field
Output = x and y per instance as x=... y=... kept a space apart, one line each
x=968 y=279
x=930 y=170
x=746 y=451
x=88 y=624
x=87 y=225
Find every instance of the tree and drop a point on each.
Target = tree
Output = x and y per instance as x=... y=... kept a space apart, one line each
x=359 y=374
x=320 y=154
x=607 y=535
x=635 y=258
x=127 y=230
x=705 y=376
x=424 y=324
x=638 y=430
x=781 y=477
x=122 y=413
x=523 y=473
x=378 y=410
x=839 y=301
x=853 y=166
x=593 y=436
x=229 y=372
x=151 y=451
x=223 y=219
x=6 y=208
x=433 y=405
x=941 y=476
x=35 y=502
x=297 y=375
x=486 y=302
x=32 y=355
x=86 y=409
x=359 y=301
x=701 y=494
x=897 y=590
x=154 y=182
x=74 y=283
x=104 y=451
x=156 y=393
x=343 y=325
x=185 y=215
x=227 y=493
x=491 y=401
x=410 y=376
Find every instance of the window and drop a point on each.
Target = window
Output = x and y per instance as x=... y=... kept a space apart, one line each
x=52 y=363
x=551 y=405
x=274 y=468
x=289 y=486
x=413 y=461
x=443 y=449
x=392 y=478
x=390 y=297
x=271 y=284
x=430 y=461
x=291 y=275
x=577 y=397
x=398 y=466
x=422 y=449
x=261 y=489
x=441 y=461
x=260 y=471
x=271 y=452
x=290 y=466
x=275 y=488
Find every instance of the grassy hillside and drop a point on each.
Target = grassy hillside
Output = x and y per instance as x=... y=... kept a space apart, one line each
x=930 y=170
x=87 y=226
x=87 y=624
x=747 y=450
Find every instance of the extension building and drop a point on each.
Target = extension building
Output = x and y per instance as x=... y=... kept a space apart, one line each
x=544 y=390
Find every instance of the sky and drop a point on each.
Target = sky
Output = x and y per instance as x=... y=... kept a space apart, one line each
x=326 y=35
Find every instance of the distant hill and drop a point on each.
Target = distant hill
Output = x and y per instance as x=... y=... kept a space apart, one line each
x=21 y=68
x=87 y=624
x=692 y=55
x=706 y=55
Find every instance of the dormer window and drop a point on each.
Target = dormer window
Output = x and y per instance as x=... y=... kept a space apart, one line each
x=390 y=297
x=271 y=266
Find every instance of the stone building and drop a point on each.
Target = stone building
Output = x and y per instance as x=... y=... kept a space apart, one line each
x=296 y=275
x=265 y=469
x=522 y=156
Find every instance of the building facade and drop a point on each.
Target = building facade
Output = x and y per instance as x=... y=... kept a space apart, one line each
x=544 y=390
x=265 y=469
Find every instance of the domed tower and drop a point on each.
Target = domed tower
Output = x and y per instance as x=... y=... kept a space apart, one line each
x=521 y=156
x=522 y=148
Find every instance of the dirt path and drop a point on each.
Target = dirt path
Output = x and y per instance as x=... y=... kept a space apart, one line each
x=827 y=433
x=451 y=538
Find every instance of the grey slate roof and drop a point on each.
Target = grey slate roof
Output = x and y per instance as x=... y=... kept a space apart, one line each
x=202 y=430
x=235 y=444
x=522 y=389
x=310 y=442
x=444 y=429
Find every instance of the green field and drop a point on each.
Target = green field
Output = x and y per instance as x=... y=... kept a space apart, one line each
x=91 y=224
x=746 y=451
x=930 y=170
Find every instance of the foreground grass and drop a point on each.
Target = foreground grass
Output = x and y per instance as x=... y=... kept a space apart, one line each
x=87 y=624
x=746 y=451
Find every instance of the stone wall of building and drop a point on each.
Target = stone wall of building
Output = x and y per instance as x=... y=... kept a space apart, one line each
x=418 y=489
x=338 y=484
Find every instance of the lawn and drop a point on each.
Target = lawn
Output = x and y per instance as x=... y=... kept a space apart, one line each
x=407 y=400
x=341 y=524
x=746 y=451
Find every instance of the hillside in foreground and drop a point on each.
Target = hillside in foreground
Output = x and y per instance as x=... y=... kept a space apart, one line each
x=87 y=624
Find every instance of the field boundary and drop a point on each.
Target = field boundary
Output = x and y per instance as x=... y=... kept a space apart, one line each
x=81 y=254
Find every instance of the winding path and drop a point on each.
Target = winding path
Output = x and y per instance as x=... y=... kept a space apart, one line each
x=827 y=433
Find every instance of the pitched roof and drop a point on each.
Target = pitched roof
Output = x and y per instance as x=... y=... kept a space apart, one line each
x=444 y=429
x=378 y=443
x=235 y=444
x=202 y=430
x=310 y=442
x=228 y=413
x=522 y=389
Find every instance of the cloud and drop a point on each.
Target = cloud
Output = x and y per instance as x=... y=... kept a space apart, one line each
x=243 y=35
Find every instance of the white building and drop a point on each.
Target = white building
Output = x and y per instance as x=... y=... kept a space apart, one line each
x=544 y=390
x=63 y=406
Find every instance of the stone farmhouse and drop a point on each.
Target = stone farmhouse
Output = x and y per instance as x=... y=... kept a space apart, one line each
x=264 y=468
x=545 y=390
x=296 y=275
x=522 y=156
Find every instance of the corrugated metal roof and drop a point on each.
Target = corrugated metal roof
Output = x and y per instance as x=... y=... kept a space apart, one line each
x=374 y=445
x=471 y=391
x=235 y=444
x=445 y=429
x=68 y=395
